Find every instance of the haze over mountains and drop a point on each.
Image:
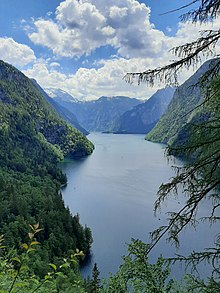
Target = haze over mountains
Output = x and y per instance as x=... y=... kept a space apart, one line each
x=143 y=117
x=96 y=115
x=115 y=114
x=163 y=114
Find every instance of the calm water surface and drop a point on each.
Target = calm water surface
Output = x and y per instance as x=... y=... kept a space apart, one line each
x=114 y=189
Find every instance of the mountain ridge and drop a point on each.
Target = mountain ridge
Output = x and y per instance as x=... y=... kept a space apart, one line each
x=179 y=112
x=143 y=117
x=63 y=112
x=98 y=115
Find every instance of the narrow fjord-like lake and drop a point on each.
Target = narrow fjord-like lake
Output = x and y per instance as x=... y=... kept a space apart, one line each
x=114 y=190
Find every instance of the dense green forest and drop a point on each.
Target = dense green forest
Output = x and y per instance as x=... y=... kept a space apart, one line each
x=33 y=139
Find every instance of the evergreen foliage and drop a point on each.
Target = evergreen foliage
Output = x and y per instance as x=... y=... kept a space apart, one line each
x=33 y=139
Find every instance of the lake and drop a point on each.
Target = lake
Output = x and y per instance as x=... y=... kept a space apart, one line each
x=114 y=190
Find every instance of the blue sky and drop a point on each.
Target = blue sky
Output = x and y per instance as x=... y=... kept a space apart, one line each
x=85 y=47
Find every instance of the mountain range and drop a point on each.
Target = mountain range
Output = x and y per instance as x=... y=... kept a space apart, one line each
x=34 y=139
x=115 y=114
x=95 y=115
x=143 y=117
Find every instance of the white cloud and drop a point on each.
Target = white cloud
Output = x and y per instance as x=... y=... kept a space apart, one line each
x=15 y=53
x=188 y=32
x=82 y=26
x=87 y=84
x=107 y=78
x=54 y=64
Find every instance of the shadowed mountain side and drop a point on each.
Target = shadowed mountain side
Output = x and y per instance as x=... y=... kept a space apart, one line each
x=97 y=115
x=142 y=118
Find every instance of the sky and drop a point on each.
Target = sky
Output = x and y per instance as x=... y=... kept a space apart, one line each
x=85 y=47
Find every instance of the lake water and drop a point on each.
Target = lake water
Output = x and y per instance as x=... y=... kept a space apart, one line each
x=114 y=190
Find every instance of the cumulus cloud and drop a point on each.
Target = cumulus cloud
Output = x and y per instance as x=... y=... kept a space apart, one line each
x=89 y=84
x=106 y=78
x=82 y=26
x=15 y=53
x=188 y=32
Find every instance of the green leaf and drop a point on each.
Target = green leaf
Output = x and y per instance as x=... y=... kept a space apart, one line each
x=21 y=284
x=47 y=277
x=73 y=261
x=36 y=226
x=48 y=281
x=16 y=259
x=34 y=281
x=53 y=266
x=31 y=249
x=32 y=228
x=25 y=246
x=31 y=235
x=59 y=274
x=34 y=243
x=23 y=268
x=65 y=265
x=38 y=230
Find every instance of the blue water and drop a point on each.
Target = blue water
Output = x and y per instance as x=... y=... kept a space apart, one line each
x=114 y=190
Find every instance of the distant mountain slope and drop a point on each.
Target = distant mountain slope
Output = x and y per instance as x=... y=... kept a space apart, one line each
x=185 y=99
x=142 y=118
x=60 y=95
x=63 y=112
x=97 y=115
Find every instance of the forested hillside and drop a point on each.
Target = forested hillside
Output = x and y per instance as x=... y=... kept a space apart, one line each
x=63 y=112
x=179 y=112
x=33 y=139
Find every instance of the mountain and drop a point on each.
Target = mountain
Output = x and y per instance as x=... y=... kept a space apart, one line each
x=142 y=118
x=60 y=95
x=97 y=115
x=33 y=141
x=180 y=110
x=63 y=112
